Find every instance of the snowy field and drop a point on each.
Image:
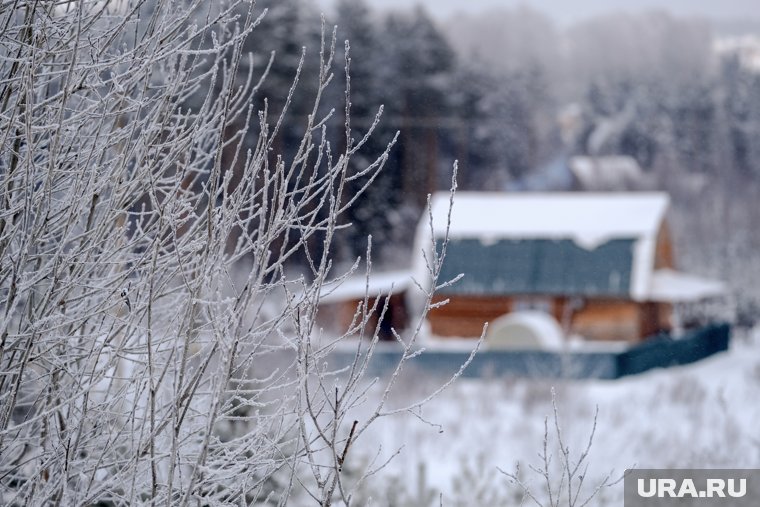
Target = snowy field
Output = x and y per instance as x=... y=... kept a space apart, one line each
x=697 y=416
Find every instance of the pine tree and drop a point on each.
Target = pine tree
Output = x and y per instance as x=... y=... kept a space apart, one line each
x=421 y=74
x=374 y=214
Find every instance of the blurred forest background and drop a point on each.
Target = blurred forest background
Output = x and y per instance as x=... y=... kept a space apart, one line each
x=512 y=96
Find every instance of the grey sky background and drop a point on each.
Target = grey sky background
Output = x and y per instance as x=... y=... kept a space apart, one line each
x=566 y=12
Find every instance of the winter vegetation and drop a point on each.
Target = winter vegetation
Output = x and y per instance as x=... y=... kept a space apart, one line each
x=157 y=335
x=180 y=179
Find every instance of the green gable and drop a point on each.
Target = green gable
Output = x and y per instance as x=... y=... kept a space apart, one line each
x=538 y=266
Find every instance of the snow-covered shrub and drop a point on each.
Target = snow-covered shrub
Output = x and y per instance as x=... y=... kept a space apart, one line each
x=155 y=347
x=562 y=473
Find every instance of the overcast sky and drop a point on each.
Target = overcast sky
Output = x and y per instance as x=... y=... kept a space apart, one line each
x=568 y=11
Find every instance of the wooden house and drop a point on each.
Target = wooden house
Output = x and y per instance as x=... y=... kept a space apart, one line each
x=341 y=303
x=601 y=264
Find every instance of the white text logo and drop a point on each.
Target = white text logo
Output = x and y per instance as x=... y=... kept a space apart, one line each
x=714 y=488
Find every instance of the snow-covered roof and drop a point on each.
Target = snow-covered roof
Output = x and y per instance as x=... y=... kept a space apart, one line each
x=674 y=287
x=357 y=286
x=588 y=219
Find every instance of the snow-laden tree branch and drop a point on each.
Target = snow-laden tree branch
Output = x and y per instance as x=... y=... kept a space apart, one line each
x=155 y=346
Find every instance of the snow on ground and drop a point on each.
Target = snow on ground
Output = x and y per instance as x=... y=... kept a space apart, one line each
x=697 y=416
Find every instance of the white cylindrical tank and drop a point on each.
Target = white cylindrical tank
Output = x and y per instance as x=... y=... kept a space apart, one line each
x=525 y=330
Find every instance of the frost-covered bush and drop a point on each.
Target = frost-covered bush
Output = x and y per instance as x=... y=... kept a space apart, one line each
x=154 y=345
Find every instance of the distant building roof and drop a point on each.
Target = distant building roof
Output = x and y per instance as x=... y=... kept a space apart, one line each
x=554 y=176
x=560 y=243
x=589 y=219
x=745 y=48
x=613 y=173
x=607 y=173
x=673 y=287
x=359 y=286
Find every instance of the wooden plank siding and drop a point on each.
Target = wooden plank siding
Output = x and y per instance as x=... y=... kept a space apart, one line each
x=466 y=315
x=596 y=319
x=654 y=318
x=337 y=317
x=607 y=319
x=663 y=255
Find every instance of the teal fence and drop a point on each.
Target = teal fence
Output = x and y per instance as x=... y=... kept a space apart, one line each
x=661 y=351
